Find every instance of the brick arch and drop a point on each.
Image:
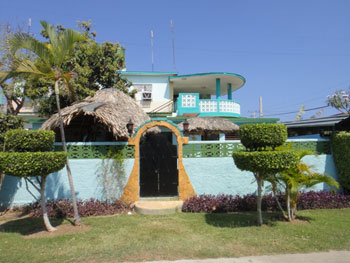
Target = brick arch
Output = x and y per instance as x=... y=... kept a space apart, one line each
x=131 y=191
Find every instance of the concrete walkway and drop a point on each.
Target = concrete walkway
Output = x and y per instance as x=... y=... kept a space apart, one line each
x=320 y=257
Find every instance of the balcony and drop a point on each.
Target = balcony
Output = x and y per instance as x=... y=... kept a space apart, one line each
x=189 y=103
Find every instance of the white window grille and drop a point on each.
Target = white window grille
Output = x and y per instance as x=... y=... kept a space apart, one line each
x=208 y=106
x=229 y=106
x=188 y=101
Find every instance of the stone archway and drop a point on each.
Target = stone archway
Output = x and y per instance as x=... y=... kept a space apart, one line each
x=131 y=191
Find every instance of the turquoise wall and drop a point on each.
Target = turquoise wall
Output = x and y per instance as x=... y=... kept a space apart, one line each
x=221 y=176
x=86 y=177
x=209 y=165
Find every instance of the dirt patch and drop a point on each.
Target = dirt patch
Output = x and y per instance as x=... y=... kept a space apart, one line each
x=11 y=215
x=65 y=229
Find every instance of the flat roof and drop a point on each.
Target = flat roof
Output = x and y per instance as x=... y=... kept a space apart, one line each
x=154 y=73
x=206 y=82
x=317 y=122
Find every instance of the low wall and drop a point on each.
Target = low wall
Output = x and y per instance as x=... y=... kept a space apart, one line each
x=209 y=166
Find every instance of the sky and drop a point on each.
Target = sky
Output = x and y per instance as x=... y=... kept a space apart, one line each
x=292 y=53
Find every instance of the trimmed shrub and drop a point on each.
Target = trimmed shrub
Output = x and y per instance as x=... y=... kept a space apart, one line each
x=265 y=162
x=29 y=141
x=229 y=203
x=8 y=122
x=341 y=153
x=260 y=136
x=63 y=208
x=31 y=164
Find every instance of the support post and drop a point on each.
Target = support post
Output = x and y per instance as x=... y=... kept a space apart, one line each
x=218 y=88
x=229 y=91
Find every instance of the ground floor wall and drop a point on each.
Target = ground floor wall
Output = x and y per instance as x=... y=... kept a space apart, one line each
x=221 y=176
x=92 y=179
x=209 y=166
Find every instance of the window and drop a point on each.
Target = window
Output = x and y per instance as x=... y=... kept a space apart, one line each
x=144 y=92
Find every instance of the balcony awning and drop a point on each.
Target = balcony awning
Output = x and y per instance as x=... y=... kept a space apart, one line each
x=205 y=83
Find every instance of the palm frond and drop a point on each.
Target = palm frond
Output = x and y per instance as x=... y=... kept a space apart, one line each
x=26 y=41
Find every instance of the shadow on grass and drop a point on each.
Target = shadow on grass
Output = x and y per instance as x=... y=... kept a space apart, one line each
x=27 y=226
x=247 y=219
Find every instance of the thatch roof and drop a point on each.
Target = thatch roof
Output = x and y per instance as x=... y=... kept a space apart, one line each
x=216 y=125
x=110 y=107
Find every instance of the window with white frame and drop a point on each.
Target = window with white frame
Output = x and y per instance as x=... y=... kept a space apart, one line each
x=144 y=92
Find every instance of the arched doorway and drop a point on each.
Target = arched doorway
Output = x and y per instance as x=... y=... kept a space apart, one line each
x=131 y=191
x=158 y=165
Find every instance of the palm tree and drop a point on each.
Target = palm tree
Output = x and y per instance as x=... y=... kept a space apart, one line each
x=50 y=58
x=295 y=179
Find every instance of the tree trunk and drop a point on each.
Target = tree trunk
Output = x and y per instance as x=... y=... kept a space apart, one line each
x=259 y=181
x=77 y=219
x=288 y=205
x=47 y=223
x=2 y=177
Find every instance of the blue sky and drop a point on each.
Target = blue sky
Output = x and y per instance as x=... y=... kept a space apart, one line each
x=290 y=52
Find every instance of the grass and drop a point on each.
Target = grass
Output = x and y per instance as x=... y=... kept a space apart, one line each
x=179 y=236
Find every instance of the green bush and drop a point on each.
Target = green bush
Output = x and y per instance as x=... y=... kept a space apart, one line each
x=265 y=162
x=29 y=140
x=341 y=154
x=261 y=136
x=8 y=122
x=31 y=164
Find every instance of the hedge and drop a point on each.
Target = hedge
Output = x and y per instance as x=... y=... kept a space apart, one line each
x=31 y=164
x=341 y=154
x=259 y=136
x=267 y=162
x=29 y=141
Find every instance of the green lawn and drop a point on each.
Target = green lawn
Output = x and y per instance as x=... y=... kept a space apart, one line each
x=179 y=236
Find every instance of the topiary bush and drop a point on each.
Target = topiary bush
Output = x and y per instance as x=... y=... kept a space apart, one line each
x=8 y=122
x=29 y=140
x=31 y=164
x=341 y=154
x=27 y=159
x=268 y=162
x=261 y=158
x=263 y=135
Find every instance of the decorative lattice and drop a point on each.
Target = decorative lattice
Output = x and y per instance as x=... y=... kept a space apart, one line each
x=96 y=151
x=203 y=150
x=188 y=101
x=229 y=106
x=208 y=106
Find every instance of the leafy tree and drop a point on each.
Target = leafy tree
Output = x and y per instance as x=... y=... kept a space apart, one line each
x=51 y=56
x=27 y=159
x=261 y=156
x=16 y=89
x=297 y=178
x=96 y=65
x=340 y=101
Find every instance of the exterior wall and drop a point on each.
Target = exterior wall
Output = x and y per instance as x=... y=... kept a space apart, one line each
x=221 y=176
x=86 y=177
x=208 y=165
x=160 y=91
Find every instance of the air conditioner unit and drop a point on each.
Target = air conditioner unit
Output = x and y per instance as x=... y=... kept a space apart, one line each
x=146 y=96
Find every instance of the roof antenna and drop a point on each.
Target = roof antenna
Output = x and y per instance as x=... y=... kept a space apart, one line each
x=173 y=42
x=152 y=50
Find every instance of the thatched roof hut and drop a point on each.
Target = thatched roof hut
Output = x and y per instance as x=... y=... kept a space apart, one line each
x=210 y=125
x=102 y=117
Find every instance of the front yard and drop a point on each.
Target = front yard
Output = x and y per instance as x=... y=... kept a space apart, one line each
x=184 y=235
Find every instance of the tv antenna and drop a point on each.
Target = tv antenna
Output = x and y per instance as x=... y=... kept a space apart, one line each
x=152 y=47
x=173 y=42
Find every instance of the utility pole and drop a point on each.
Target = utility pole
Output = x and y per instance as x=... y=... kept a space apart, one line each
x=173 y=42
x=152 y=50
x=260 y=108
